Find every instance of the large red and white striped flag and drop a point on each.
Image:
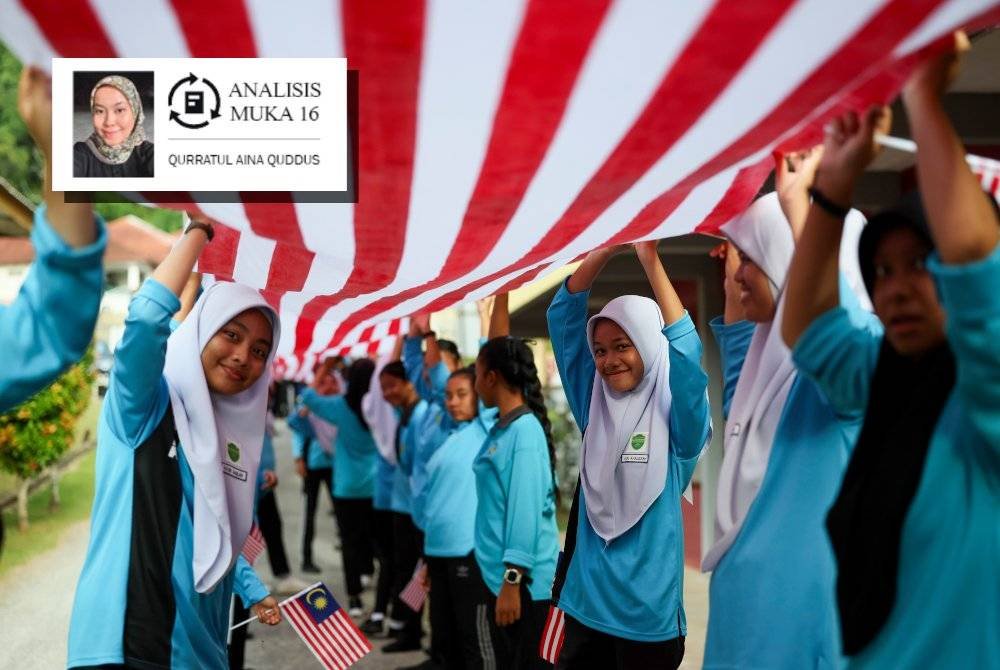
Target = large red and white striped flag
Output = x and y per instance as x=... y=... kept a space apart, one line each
x=325 y=628
x=497 y=141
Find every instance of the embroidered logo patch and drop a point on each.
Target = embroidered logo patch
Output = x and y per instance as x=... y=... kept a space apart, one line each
x=637 y=450
x=234 y=452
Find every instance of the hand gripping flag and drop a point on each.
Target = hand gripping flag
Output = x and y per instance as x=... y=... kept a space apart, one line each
x=414 y=594
x=254 y=545
x=325 y=628
x=553 y=635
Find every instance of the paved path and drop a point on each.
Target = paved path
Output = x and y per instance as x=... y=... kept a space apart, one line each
x=35 y=599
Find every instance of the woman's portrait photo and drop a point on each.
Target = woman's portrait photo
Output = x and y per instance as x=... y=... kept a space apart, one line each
x=112 y=135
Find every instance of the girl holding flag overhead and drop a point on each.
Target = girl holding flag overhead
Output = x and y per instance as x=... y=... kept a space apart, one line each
x=915 y=523
x=353 y=472
x=635 y=385
x=771 y=593
x=516 y=540
x=179 y=441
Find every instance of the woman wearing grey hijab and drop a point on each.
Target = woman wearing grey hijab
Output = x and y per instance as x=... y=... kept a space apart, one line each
x=117 y=147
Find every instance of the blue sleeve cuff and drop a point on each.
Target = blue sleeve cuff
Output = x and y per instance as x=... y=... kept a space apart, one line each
x=722 y=330
x=969 y=290
x=679 y=328
x=564 y=294
x=156 y=292
x=519 y=558
x=53 y=249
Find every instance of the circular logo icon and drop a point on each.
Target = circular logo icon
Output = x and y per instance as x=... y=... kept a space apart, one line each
x=194 y=102
x=638 y=442
x=233 y=451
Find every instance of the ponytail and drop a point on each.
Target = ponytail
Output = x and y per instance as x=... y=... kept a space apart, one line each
x=512 y=359
x=359 y=379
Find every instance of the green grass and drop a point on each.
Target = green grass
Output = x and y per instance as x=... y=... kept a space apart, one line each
x=76 y=489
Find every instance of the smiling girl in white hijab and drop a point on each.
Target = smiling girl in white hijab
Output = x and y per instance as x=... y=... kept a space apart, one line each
x=771 y=597
x=179 y=444
x=638 y=393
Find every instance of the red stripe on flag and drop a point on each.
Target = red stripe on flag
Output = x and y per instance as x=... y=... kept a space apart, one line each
x=384 y=42
x=865 y=50
x=71 y=27
x=219 y=257
x=738 y=196
x=306 y=628
x=528 y=114
x=217 y=29
x=715 y=54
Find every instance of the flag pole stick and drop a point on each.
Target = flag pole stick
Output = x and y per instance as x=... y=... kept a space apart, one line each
x=280 y=605
x=899 y=143
x=909 y=146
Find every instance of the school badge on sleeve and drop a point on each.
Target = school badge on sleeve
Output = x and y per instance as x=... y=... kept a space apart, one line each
x=637 y=449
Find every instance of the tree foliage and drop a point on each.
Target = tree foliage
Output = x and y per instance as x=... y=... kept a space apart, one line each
x=35 y=434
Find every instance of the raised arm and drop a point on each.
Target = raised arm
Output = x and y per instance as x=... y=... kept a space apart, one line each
x=961 y=219
x=74 y=221
x=663 y=290
x=175 y=270
x=485 y=308
x=730 y=257
x=793 y=176
x=586 y=274
x=500 y=318
x=813 y=284
x=189 y=296
x=137 y=375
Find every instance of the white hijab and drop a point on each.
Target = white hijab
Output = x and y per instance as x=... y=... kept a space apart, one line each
x=768 y=373
x=625 y=456
x=325 y=432
x=381 y=416
x=221 y=436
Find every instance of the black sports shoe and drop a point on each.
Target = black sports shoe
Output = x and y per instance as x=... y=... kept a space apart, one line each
x=371 y=627
x=402 y=644
x=354 y=607
x=309 y=566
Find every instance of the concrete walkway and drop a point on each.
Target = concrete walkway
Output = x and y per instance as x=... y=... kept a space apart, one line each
x=35 y=599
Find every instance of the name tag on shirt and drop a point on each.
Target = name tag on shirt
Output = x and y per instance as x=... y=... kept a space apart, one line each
x=234 y=472
x=637 y=449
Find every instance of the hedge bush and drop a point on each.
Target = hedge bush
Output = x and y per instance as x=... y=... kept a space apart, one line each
x=35 y=434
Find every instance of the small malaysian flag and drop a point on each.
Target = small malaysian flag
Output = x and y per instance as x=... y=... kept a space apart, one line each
x=553 y=635
x=325 y=628
x=254 y=545
x=414 y=594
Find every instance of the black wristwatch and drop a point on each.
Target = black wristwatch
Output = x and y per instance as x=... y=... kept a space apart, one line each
x=513 y=576
x=206 y=228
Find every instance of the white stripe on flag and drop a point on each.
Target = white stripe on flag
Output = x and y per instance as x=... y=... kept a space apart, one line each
x=414 y=594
